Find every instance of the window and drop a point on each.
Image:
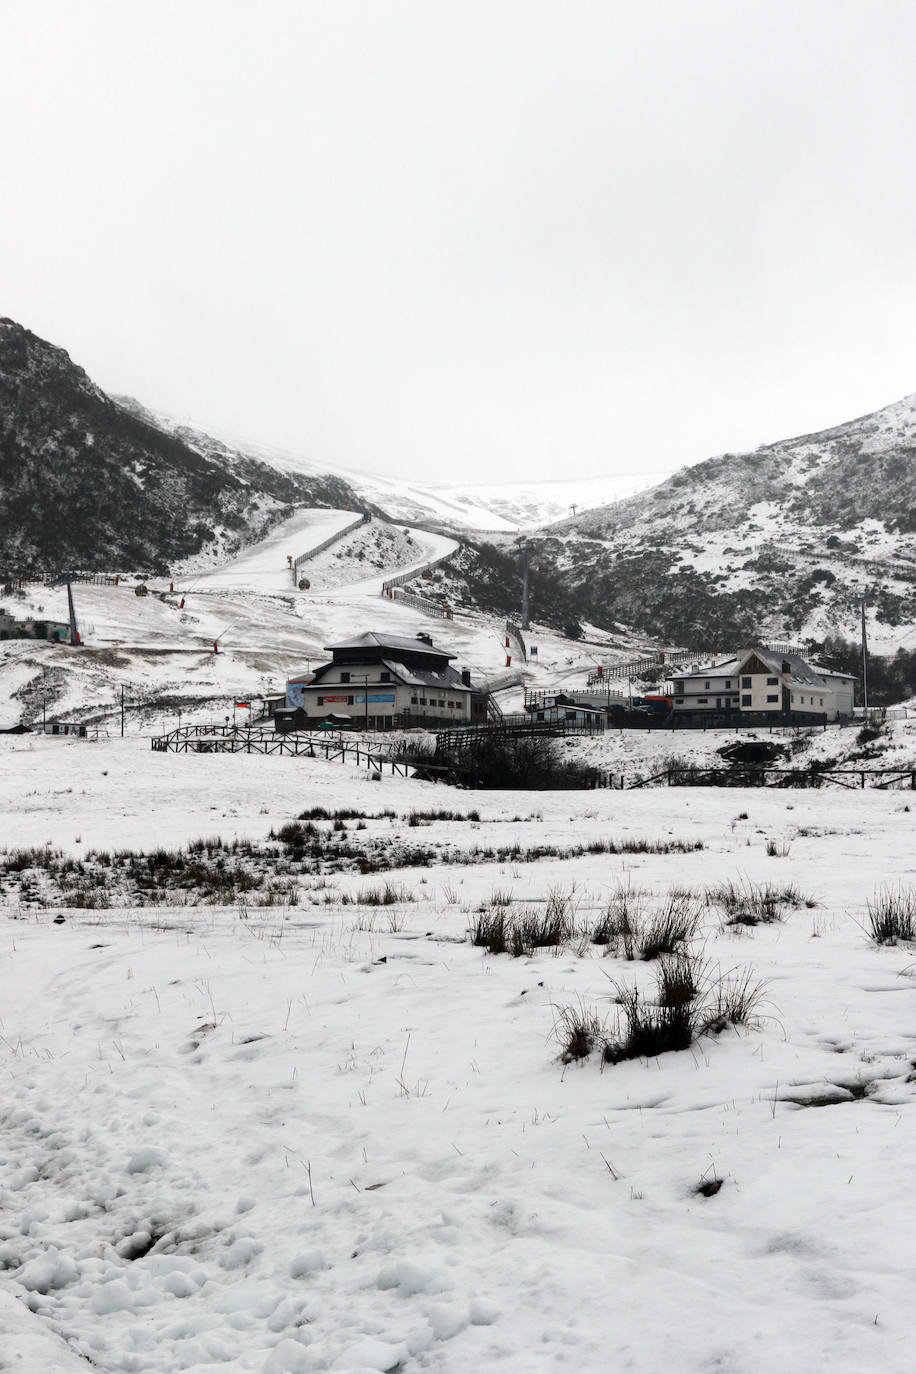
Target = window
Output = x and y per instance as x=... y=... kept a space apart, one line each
x=772 y=681
x=385 y=677
x=702 y=701
x=821 y=700
x=349 y=701
x=728 y=683
x=746 y=700
x=321 y=701
x=345 y=677
x=745 y=682
x=705 y=686
x=678 y=701
x=773 y=698
x=413 y=701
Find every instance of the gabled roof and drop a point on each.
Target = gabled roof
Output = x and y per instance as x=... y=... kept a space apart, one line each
x=371 y=639
x=799 y=671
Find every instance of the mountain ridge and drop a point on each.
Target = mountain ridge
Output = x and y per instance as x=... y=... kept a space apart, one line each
x=86 y=482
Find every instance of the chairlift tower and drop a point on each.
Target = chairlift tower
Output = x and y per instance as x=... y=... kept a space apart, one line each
x=525 y=624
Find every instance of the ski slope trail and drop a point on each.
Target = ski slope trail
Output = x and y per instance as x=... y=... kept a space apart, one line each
x=433 y=547
x=263 y=567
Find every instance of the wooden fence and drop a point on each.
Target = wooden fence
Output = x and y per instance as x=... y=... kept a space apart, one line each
x=332 y=746
x=402 y=578
x=326 y=544
x=421 y=603
x=852 y=778
x=674 y=658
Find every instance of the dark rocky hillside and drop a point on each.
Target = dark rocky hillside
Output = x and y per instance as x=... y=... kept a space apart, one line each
x=831 y=481
x=782 y=543
x=87 y=482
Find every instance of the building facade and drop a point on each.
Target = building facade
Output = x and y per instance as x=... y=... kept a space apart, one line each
x=387 y=682
x=763 y=683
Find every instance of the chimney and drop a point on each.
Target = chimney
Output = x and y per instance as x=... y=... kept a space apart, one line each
x=786 y=666
x=466 y=677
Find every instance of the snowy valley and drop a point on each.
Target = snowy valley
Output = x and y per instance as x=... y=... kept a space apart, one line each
x=318 y=1066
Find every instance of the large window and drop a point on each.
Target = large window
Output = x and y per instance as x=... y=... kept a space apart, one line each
x=345 y=677
x=773 y=698
x=746 y=700
x=745 y=682
x=772 y=681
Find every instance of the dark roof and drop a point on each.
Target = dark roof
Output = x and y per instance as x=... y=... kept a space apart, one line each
x=369 y=639
x=446 y=676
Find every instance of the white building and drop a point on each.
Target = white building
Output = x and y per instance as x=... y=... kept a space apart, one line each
x=385 y=682
x=764 y=682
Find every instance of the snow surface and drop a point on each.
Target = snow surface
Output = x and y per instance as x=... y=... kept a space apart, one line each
x=263 y=566
x=334 y=1137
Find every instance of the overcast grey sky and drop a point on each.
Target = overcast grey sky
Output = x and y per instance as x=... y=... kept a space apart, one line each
x=488 y=239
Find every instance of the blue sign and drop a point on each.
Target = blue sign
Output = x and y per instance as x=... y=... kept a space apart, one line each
x=360 y=698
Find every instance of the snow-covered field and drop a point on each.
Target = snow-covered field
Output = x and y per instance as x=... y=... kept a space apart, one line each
x=331 y=1136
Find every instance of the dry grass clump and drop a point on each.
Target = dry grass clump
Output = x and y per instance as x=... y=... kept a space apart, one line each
x=578 y=1029
x=689 y=1001
x=752 y=904
x=500 y=930
x=628 y=929
x=892 y=916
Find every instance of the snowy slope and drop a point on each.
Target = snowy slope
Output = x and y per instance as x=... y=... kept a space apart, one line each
x=780 y=543
x=496 y=506
x=328 y=1136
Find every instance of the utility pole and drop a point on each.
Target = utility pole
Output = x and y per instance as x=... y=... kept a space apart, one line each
x=525 y=624
x=122 y=711
x=864 y=663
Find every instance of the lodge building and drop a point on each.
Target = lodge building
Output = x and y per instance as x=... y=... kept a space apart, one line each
x=378 y=681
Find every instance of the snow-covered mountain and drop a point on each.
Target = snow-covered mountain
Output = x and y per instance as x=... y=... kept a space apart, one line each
x=497 y=507
x=85 y=482
x=782 y=542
